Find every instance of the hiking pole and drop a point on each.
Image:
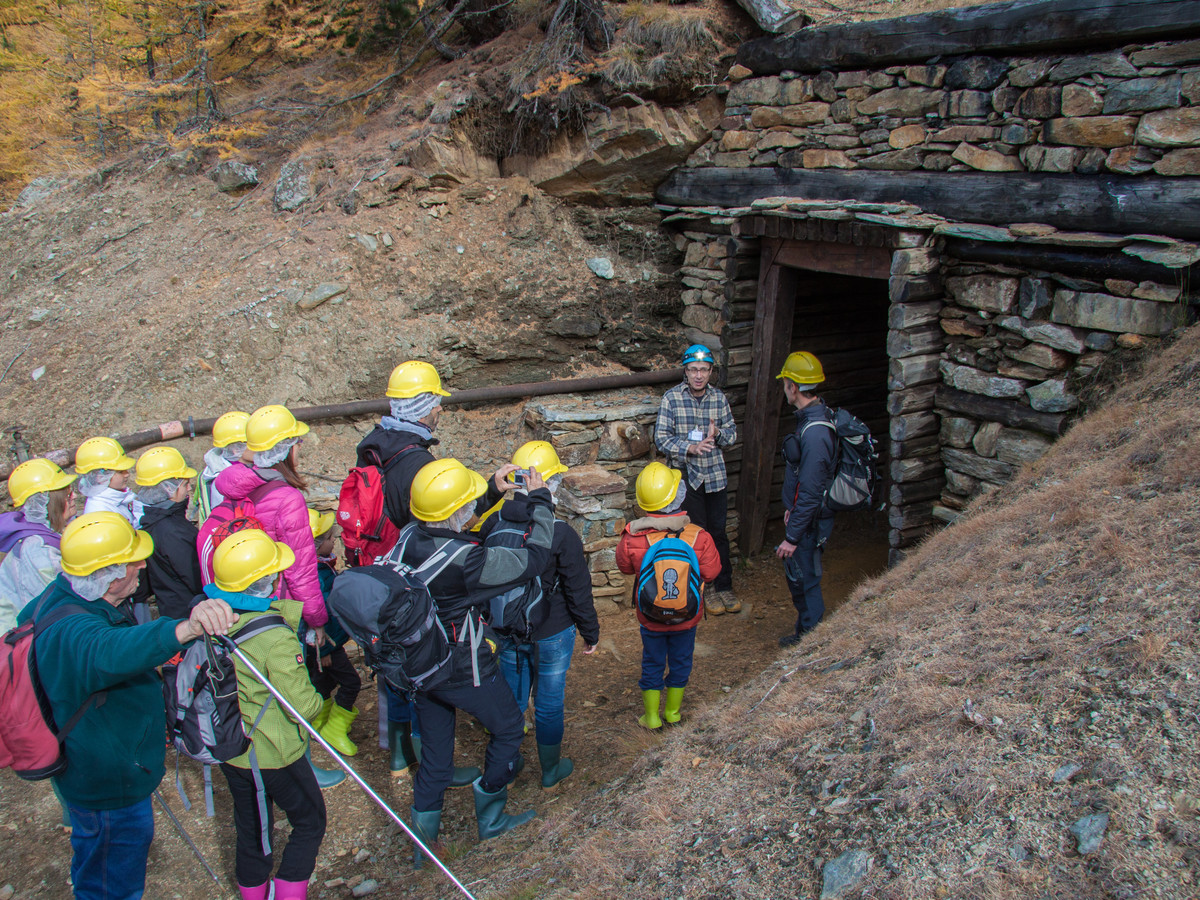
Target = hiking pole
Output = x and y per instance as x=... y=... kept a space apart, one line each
x=233 y=648
x=188 y=839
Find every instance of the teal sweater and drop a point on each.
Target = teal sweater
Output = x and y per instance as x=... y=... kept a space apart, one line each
x=115 y=754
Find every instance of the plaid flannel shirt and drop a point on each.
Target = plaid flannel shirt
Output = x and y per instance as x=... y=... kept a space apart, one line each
x=680 y=413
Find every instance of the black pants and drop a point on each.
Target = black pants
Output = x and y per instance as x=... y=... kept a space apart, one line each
x=337 y=672
x=294 y=789
x=709 y=510
x=492 y=703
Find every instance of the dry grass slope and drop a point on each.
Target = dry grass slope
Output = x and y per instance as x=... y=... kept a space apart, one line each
x=1053 y=627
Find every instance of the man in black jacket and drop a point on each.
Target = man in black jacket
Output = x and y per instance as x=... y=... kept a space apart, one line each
x=163 y=483
x=462 y=574
x=808 y=455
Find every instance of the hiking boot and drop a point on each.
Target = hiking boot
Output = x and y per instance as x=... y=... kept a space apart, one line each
x=789 y=640
x=336 y=729
x=554 y=767
x=671 y=714
x=490 y=814
x=650 y=703
x=426 y=826
x=732 y=603
x=713 y=605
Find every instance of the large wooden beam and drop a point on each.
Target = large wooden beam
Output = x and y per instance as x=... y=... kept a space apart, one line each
x=772 y=341
x=840 y=259
x=1006 y=412
x=1024 y=26
x=1107 y=203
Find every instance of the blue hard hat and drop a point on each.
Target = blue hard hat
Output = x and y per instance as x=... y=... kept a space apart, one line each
x=698 y=353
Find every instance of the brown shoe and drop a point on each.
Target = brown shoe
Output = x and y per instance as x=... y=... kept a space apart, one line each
x=713 y=605
x=732 y=603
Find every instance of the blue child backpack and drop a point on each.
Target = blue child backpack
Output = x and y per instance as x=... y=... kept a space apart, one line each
x=668 y=588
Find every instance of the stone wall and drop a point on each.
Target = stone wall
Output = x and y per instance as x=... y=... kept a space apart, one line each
x=1129 y=111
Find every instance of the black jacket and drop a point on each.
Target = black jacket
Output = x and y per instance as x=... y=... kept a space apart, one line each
x=566 y=581
x=400 y=454
x=173 y=569
x=808 y=469
x=462 y=575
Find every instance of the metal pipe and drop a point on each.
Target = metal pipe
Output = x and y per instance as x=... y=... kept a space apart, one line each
x=283 y=701
x=191 y=427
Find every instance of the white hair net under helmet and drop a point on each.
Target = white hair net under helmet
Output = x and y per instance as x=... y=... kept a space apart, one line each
x=264 y=459
x=264 y=587
x=94 y=586
x=37 y=508
x=677 y=503
x=159 y=495
x=232 y=452
x=94 y=482
x=458 y=519
x=413 y=409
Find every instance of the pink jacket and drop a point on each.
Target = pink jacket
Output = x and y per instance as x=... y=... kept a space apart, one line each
x=284 y=515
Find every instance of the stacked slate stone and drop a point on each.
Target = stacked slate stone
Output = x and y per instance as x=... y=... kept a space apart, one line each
x=1130 y=111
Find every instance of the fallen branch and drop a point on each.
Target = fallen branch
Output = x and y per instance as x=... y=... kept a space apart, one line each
x=14 y=359
x=785 y=677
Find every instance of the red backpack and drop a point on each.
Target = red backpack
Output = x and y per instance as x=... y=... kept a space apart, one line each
x=367 y=532
x=30 y=743
x=229 y=517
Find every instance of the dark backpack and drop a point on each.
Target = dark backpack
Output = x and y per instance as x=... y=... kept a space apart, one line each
x=392 y=617
x=855 y=463
x=668 y=588
x=367 y=531
x=227 y=518
x=517 y=611
x=204 y=719
x=30 y=743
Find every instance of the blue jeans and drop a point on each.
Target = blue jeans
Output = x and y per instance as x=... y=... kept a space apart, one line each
x=803 y=571
x=669 y=650
x=401 y=710
x=110 y=848
x=543 y=662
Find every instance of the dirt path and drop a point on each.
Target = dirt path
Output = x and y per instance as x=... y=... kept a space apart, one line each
x=602 y=738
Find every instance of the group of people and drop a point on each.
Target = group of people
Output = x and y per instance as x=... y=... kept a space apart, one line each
x=218 y=549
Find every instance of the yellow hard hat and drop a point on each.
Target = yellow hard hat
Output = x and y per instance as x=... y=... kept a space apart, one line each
x=656 y=486
x=36 y=476
x=160 y=463
x=269 y=425
x=441 y=487
x=415 y=377
x=246 y=556
x=95 y=540
x=539 y=455
x=101 y=453
x=318 y=522
x=230 y=429
x=802 y=368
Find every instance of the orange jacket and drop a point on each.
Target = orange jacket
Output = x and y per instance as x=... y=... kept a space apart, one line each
x=633 y=546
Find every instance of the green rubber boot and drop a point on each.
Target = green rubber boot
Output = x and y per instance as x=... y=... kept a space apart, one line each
x=326 y=778
x=490 y=814
x=337 y=727
x=554 y=767
x=671 y=708
x=405 y=749
x=323 y=716
x=650 y=702
x=426 y=825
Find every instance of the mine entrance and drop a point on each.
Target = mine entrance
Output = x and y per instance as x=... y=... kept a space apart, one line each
x=831 y=300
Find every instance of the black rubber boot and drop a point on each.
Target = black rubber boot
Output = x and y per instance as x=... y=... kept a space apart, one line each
x=426 y=825
x=404 y=749
x=490 y=814
x=554 y=767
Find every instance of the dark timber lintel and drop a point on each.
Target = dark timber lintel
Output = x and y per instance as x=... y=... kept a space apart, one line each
x=1104 y=203
x=1023 y=26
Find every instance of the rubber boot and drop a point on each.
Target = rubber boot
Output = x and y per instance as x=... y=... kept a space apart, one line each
x=405 y=750
x=262 y=892
x=490 y=814
x=336 y=729
x=671 y=714
x=326 y=778
x=554 y=767
x=291 y=890
x=426 y=826
x=323 y=716
x=650 y=702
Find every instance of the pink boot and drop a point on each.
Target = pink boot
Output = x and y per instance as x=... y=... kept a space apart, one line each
x=255 y=893
x=291 y=890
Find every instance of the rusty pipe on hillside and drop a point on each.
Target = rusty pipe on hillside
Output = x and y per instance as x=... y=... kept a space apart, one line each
x=190 y=427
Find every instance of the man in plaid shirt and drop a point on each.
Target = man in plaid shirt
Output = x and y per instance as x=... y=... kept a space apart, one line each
x=694 y=424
